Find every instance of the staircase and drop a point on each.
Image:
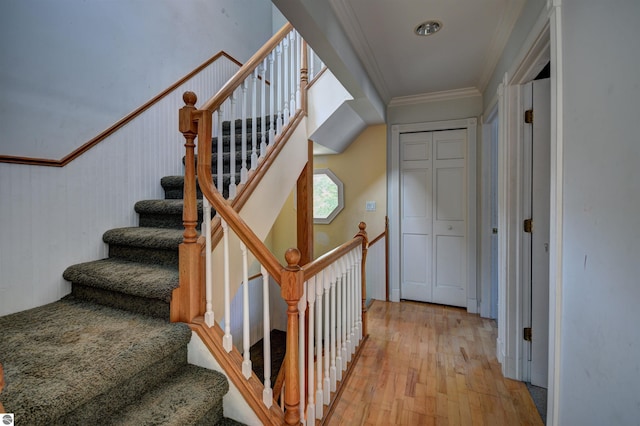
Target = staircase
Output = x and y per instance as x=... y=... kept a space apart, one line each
x=107 y=353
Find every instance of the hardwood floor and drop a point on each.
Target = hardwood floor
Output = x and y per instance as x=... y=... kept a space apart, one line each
x=428 y=364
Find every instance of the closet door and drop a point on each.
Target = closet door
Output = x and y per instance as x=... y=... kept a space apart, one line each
x=433 y=217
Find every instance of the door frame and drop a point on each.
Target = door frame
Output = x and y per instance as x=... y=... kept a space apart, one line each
x=490 y=125
x=393 y=189
x=543 y=43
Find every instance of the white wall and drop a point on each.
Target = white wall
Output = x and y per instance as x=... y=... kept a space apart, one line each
x=600 y=342
x=73 y=68
x=51 y=218
x=451 y=109
x=530 y=12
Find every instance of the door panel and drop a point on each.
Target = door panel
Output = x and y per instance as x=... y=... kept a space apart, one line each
x=450 y=193
x=450 y=282
x=540 y=206
x=416 y=209
x=416 y=266
x=433 y=217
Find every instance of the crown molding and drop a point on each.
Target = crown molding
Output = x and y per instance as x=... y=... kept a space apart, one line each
x=446 y=95
x=348 y=18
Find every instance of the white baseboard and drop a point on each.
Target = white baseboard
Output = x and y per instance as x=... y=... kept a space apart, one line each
x=472 y=306
x=394 y=296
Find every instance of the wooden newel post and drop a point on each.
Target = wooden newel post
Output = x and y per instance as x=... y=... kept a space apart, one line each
x=365 y=247
x=291 y=291
x=185 y=301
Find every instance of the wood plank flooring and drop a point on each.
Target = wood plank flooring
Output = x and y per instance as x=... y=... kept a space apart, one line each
x=428 y=364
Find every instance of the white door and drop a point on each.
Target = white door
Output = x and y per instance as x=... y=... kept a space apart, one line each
x=540 y=209
x=433 y=197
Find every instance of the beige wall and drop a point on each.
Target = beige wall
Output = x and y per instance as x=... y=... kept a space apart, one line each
x=283 y=233
x=362 y=168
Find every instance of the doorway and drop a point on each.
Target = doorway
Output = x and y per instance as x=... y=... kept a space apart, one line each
x=537 y=179
x=489 y=216
x=433 y=196
x=468 y=207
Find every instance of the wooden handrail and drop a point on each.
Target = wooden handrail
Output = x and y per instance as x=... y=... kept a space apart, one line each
x=227 y=90
x=32 y=161
x=313 y=268
x=291 y=277
x=222 y=206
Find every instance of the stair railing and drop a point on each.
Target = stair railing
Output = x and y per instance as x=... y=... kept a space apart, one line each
x=271 y=85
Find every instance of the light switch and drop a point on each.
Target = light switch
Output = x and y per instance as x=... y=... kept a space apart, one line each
x=370 y=206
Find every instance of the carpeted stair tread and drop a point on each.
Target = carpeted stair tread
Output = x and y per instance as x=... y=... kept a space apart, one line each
x=239 y=137
x=165 y=213
x=145 y=244
x=269 y=120
x=174 y=185
x=132 y=278
x=185 y=398
x=278 y=348
x=60 y=356
x=229 y=422
x=145 y=237
x=162 y=206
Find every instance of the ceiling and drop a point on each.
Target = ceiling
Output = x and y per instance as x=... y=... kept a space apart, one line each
x=462 y=55
x=371 y=48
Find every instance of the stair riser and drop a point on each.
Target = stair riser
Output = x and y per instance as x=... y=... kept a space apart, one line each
x=140 y=305
x=269 y=121
x=145 y=255
x=226 y=162
x=212 y=417
x=107 y=405
x=176 y=192
x=226 y=142
x=171 y=221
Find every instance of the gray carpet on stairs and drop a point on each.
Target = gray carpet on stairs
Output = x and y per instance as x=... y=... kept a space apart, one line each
x=132 y=278
x=106 y=354
x=59 y=356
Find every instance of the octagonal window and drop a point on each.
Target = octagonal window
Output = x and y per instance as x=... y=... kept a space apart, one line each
x=328 y=197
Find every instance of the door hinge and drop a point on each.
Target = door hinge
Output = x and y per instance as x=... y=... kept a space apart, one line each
x=528 y=116
x=527 y=334
x=528 y=226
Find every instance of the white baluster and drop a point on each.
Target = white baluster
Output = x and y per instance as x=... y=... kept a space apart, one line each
x=319 y=394
x=334 y=329
x=311 y=298
x=355 y=332
x=254 y=119
x=243 y=170
x=232 y=150
x=312 y=67
x=326 y=387
x=272 y=99
x=339 y=292
x=354 y=342
x=279 y=86
x=206 y=225
x=346 y=343
x=267 y=393
x=263 y=113
x=298 y=71
x=302 y=307
x=286 y=83
x=246 y=340
x=360 y=283
x=295 y=72
x=227 y=342
x=220 y=152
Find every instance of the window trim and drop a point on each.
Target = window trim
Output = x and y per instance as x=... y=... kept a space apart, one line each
x=327 y=220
